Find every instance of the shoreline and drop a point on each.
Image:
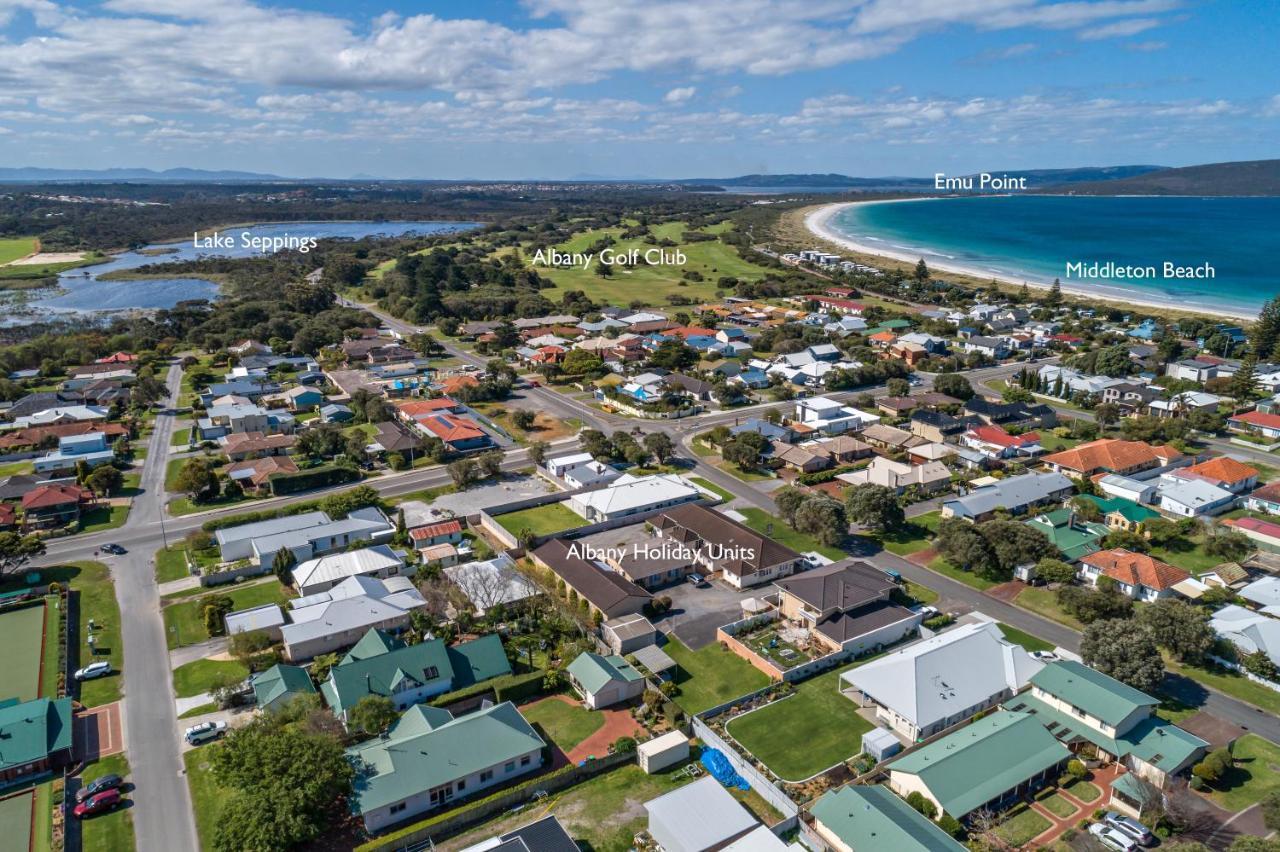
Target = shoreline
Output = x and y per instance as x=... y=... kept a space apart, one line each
x=817 y=222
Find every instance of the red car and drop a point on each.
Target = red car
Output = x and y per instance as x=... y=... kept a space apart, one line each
x=104 y=801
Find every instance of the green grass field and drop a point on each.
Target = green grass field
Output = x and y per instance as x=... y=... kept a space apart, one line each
x=1044 y=601
x=21 y=632
x=15 y=819
x=711 y=676
x=104 y=518
x=1255 y=775
x=818 y=715
x=171 y=564
x=183 y=624
x=13 y=248
x=724 y=495
x=915 y=536
x=114 y=830
x=198 y=676
x=1022 y=824
x=778 y=530
x=1026 y=640
x=566 y=724
x=206 y=796
x=940 y=565
x=1058 y=805
x=540 y=520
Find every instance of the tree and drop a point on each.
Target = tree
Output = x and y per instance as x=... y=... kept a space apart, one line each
x=921 y=272
x=898 y=387
x=490 y=462
x=1244 y=383
x=1260 y=664
x=674 y=354
x=1055 y=571
x=1054 y=297
x=463 y=472
x=538 y=452
x=321 y=665
x=1180 y=628
x=282 y=566
x=788 y=499
x=1265 y=334
x=579 y=362
x=284 y=786
x=197 y=479
x=960 y=543
x=953 y=384
x=875 y=507
x=247 y=645
x=213 y=613
x=917 y=800
x=105 y=479
x=1088 y=605
x=523 y=418
x=660 y=445
x=1125 y=650
x=1227 y=544
x=1215 y=764
x=17 y=550
x=373 y=715
x=1270 y=806
x=823 y=518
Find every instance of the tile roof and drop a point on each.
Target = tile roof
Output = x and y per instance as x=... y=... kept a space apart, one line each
x=1257 y=418
x=449 y=428
x=426 y=406
x=997 y=436
x=1222 y=469
x=1269 y=493
x=44 y=496
x=1136 y=569
x=1112 y=454
x=845 y=585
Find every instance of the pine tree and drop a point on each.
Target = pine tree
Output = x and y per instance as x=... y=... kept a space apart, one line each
x=1266 y=331
x=922 y=270
x=1055 y=294
x=1243 y=383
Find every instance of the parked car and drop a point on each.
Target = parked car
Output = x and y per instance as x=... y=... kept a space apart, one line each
x=1130 y=826
x=114 y=548
x=1044 y=656
x=102 y=668
x=204 y=732
x=104 y=801
x=99 y=785
x=696 y=579
x=1112 y=838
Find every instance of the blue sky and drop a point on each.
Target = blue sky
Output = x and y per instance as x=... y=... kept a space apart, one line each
x=635 y=88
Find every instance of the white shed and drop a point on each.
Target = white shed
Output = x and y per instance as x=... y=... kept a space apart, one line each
x=660 y=752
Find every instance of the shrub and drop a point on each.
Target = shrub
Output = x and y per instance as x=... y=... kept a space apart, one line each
x=1077 y=769
x=951 y=825
x=624 y=744
x=917 y=800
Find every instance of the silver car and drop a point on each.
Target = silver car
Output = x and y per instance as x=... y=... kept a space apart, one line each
x=101 y=668
x=1112 y=838
x=205 y=731
x=1130 y=826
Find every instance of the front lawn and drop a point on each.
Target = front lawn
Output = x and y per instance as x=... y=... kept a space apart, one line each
x=1057 y=805
x=745 y=475
x=939 y=565
x=1083 y=790
x=97 y=602
x=171 y=564
x=180 y=506
x=1021 y=825
x=198 y=676
x=111 y=831
x=547 y=519
x=1043 y=601
x=778 y=530
x=1026 y=640
x=206 y=796
x=1232 y=683
x=913 y=536
x=712 y=487
x=711 y=676
x=103 y=518
x=566 y=724
x=920 y=594
x=802 y=735
x=1256 y=774
x=183 y=623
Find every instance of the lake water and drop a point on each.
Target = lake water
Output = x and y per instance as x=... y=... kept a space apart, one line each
x=1033 y=237
x=81 y=291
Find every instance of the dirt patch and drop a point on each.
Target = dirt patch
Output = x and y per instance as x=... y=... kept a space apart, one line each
x=46 y=258
x=923 y=557
x=1210 y=728
x=1006 y=591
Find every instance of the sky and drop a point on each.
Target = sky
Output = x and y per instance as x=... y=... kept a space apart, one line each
x=569 y=89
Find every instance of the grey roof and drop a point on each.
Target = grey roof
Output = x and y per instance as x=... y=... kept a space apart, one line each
x=843 y=585
x=492 y=582
x=702 y=814
x=544 y=835
x=270 y=527
x=1014 y=492
x=654 y=659
x=938 y=677
x=257 y=618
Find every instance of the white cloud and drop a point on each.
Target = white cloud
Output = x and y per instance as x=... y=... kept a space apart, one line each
x=1120 y=29
x=679 y=95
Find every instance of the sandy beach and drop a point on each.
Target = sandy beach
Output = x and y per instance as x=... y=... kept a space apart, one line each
x=818 y=222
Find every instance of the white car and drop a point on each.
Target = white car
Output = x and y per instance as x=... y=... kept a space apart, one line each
x=98 y=669
x=1129 y=826
x=1044 y=656
x=1112 y=838
x=204 y=732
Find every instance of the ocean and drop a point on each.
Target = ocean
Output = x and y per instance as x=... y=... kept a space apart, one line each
x=1035 y=237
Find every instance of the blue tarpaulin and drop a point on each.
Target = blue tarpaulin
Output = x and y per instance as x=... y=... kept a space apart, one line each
x=722 y=770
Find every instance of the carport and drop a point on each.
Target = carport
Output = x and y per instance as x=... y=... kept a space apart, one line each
x=655 y=661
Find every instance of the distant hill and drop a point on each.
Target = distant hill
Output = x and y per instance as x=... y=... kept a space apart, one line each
x=180 y=175
x=1035 y=178
x=1252 y=177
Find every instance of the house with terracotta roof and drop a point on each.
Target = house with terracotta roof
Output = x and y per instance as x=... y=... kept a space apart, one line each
x=48 y=506
x=1256 y=423
x=1265 y=499
x=442 y=532
x=1224 y=472
x=450 y=385
x=117 y=358
x=1112 y=455
x=995 y=443
x=1266 y=534
x=1138 y=575
x=255 y=474
x=460 y=434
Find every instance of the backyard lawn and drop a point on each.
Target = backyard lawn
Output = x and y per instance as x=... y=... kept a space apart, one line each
x=1187 y=554
x=110 y=831
x=182 y=620
x=711 y=676
x=778 y=530
x=817 y=715
x=1021 y=824
x=548 y=519
x=566 y=724
x=1026 y=640
x=1255 y=775
x=198 y=676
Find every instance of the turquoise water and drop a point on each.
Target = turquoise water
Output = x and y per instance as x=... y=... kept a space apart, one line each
x=1033 y=238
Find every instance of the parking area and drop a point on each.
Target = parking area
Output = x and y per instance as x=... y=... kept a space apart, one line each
x=696 y=612
x=482 y=495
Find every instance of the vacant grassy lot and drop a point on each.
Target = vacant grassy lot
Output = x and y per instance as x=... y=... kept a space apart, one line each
x=711 y=676
x=826 y=722
x=114 y=830
x=1255 y=775
x=914 y=536
x=13 y=248
x=941 y=566
x=1044 y=602
x=540 y=520
x=566 y=724
x=1026 y=640
x=182 y=619
x=778 y=530
x=21 y=635
x=198 y=676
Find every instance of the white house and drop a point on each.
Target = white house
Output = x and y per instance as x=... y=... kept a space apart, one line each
x=323 y=573
x=1193 y=498
x=632 y=495
x=92 y=449
x=1248 y=630
x=827 y=415
x=334 y=619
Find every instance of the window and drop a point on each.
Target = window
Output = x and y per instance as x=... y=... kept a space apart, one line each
x=431 y=673
x=398 y=807
x=462 y=784
x=486 y=775
x=510 y=767
x=524 y=761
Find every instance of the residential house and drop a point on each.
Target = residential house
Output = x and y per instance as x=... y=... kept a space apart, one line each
x=994 y=348
x=870 y=818
x=704 y=817
x=302 y=398
x=492 y=582
x=1264 y=534
x=381 y=664
x=1091 y=713
x=266 y=619
x=61 y=415
x=37 y=737
x=1126 y=488
x=1010 y=415
x=988 y=764
x=542 y=835
x=826 y=415
x=394 y=437
x=606 y=592
x=936 y=426
x=54 y=505
x=239 y=446
x=995 y=443
x=250 y=388
x=324 y=572
x=327 y=621
x=773 y=431
x=1193 y=498
x=847 y=605
x=928 y=478
x=1223 y=472
x=841 y=449
x=1017 y=494
x=739 y=554
x=254 y=475
x=306 y=535
x=1131 y=396
x=44 y=437
x=890 y=437
x=277 y=687
x=1182 y=404
x=1136 y=574
x=1250 y=632
x=1264 y=594
x=581 y=469
x=1121 y=514
x=938 y=682
x=1265 y=499
x=1195 y=369
x=801 y=458
x=628 y=633
x=631 y=495
x=440 y=532
x=459 y=434
x=1112 y=455
x=1073 y=537
x=1256 y=423
x=429 y=758
x=604 y=681
x=90 y=450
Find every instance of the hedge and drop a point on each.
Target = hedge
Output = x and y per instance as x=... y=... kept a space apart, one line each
x=821 y=476
x=512 y=687
x=264 y=515
x=306 y=480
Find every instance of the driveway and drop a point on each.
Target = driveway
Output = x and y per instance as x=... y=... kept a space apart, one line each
x=697 y=612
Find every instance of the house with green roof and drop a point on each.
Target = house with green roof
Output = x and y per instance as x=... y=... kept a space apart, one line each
x=277 y=686
x=382 y=664
x=1072 y=536
x=1098 y=716
x=429 y=759
x=604 y=681
x=1121 y=514
x=35 y=736
x=986 y=764
x=872 y=819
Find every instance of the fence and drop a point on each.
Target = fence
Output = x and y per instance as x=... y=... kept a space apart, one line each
x=516 y=797
x=1241 y=670
x=758 y=782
